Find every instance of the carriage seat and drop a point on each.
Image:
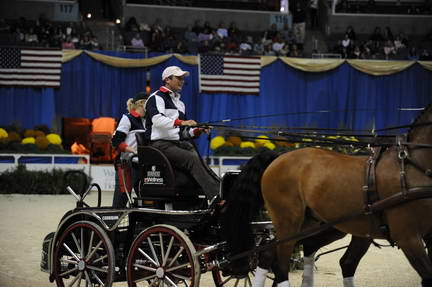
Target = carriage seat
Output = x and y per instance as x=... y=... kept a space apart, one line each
x=160 y=181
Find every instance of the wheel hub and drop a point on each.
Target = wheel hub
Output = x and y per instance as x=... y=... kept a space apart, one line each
x=81 y=265
x=160 y=272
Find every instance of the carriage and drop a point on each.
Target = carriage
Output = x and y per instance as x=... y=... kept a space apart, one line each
x=167 y=237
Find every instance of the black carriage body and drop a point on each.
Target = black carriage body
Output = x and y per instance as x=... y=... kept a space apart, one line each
x=170 y=207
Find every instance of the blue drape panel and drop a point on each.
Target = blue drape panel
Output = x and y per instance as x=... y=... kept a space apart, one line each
x=91 y=89
x=27 y=107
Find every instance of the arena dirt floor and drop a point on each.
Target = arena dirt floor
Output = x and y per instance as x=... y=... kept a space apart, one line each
x=26 y=219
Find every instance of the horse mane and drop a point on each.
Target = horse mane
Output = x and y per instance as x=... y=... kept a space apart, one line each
x=420 y=118
x=244 y=203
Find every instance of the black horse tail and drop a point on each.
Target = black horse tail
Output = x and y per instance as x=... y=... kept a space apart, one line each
x=243 y=205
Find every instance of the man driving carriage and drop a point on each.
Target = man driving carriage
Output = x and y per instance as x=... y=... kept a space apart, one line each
x=168 y=130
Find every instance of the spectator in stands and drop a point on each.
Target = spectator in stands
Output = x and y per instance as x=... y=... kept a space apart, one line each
x=95 y=43
x=232 y=47
x=204 y=47
x=377 y=36
x=299 y=20
x=346 y=46
x=191 y=39
x=388 y=35
x=425 y=55
x=233 y=31
x=413 y=9
x=31 y=38
x=351 y=33
x=205 y=35
x=278 y=45
x=313 y=13
x=180 y=48
x=124 y=141
x=75 y=40
x=132 y=25
x=246 y=46
x=398 y=43
x=285 y=51
x=389 y=50
x=197 y=27
x=169 y=44
x=272 y=32
x=18 y=35
x=258 y=47
x=67 y=44
x=136 y=41
x=85 y=42
x=268 y=48
x=413 y=54
x=295 y=51
x=356 y=54
x=222 y=31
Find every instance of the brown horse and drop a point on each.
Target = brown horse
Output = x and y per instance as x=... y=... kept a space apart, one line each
x=329 y=186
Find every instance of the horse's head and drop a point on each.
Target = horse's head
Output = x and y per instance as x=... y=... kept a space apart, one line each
x=421 y=130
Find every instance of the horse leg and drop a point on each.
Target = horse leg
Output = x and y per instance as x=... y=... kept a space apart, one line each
x=310 y=246
x=351 y=258
x=414 y=250
x=266 y=260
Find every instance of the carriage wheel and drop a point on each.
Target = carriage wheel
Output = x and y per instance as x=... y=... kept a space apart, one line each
x=83 y=256
x=162 y=255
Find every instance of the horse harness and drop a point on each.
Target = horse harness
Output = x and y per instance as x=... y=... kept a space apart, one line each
x=370 y=193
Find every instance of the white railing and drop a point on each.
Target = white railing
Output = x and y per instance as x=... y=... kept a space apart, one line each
x=9 y=161
x=221 y=164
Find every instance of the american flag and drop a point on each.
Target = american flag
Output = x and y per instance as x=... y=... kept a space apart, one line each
x=30 y=67
x=229 y=74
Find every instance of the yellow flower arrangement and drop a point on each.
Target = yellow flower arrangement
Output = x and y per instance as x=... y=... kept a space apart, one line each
x=28 y=140
x=261 y=140
x=247 y=144
x=270 y=145
x=54 y=139
x=217 y=142
x=3 y=133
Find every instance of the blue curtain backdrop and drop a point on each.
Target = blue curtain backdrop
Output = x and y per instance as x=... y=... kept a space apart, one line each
x=91 y=89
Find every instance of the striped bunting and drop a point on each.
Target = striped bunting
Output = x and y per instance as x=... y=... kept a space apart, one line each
x=229 y=74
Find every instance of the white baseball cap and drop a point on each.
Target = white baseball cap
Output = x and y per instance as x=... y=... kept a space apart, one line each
x=174 y=71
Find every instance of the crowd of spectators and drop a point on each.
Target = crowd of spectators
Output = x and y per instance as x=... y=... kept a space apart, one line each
x=383 y=44
x=45 y=33
x=204 y=38
x=385 y=7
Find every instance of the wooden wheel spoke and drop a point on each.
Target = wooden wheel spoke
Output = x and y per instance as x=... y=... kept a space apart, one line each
x=168 y=251
x=153 y=250
x=144 y=267
x=100 y=259
x=147 y=256
x=90 y=255
x=90 y=243
x=186 y=278
x=71 y=252
x=162 y=247
x=97 y=278
x=75 y=280
x=97 y=269
x=68 y=272
x=145 y=278
x=178 y=267
x=170 y=281
x=176 y=256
